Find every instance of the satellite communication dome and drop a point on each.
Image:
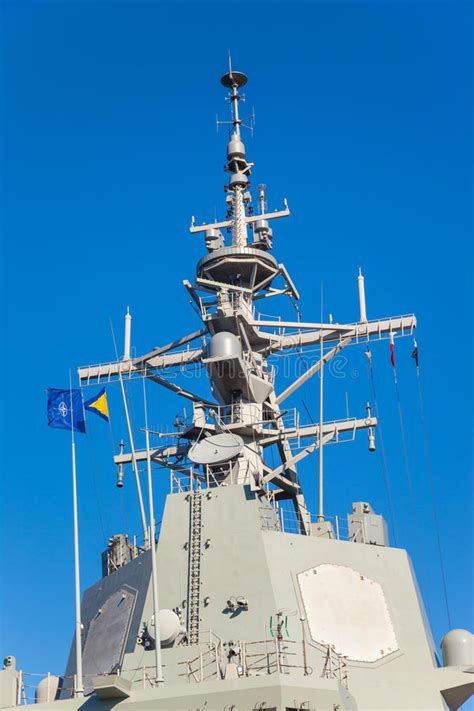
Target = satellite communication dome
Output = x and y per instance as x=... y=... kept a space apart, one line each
x=224 y=344
x=170 y=626
x=458 y=648
x=48 y=689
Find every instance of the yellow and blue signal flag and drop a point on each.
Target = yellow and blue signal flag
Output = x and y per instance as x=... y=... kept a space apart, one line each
x=99 y=405
x=66 y=410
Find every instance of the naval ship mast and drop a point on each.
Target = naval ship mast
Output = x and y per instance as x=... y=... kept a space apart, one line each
x=227 y=440
x=254 y=613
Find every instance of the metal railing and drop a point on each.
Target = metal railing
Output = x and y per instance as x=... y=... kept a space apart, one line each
x=255 y=658
x=240 y=413
x=273 y=517
x=28 y=682
x=225 y=415
x=228 y=301
x=277 y=518
x=335 y=666
x=210 y=662
x=205 y=666
x=187 y=479
x=183 y=480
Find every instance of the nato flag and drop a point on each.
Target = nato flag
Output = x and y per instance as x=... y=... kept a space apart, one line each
x=66 y=410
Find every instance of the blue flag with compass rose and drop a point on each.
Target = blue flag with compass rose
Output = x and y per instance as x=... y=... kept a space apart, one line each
x=66 y=410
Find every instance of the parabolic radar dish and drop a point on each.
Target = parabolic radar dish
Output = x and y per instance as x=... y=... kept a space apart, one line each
x=216 y=448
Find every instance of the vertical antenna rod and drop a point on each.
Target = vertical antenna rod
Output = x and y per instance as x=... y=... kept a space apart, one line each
x=362 y=309
x=321 y=420
x=236 y=161
x=154 y=574
x=234 y=81
x=127 y=335
x=262 y=200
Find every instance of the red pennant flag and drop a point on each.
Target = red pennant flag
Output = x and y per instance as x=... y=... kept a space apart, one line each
x=392 y=350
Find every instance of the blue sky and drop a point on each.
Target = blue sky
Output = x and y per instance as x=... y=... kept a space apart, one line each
x=109 y=146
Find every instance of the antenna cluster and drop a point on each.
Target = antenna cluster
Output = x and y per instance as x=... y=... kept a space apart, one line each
x=233 y=80
x=240 y=212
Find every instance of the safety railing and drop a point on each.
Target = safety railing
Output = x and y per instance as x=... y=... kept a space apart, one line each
x=28 y=684
x=240 y=414
x=211 y=661
x=271 y=656
x=227 y=301
x=205 y=666
x=187 y=479
x=225 y=415
x=277 y=518
x=183 y=480
x=335 y=666
x=215 y=660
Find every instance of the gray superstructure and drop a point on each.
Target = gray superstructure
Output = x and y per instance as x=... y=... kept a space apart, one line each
x=261 y=604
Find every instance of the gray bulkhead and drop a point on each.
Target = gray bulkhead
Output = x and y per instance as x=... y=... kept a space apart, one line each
x=240 y=557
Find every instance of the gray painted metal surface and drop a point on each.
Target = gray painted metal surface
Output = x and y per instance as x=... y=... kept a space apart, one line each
x=264 y=607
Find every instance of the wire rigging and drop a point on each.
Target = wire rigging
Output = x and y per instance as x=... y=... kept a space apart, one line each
x=406 y=460
x=385 y=469
x=132 y=447
x=123 y=510
x=429 y=472
x=91 y=451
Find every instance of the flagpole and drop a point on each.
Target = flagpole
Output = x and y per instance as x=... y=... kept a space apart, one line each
x=79 y=685
x=154 y=573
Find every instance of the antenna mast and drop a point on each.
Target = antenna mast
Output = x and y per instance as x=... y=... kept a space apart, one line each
x=321 y=421
x=236 y=161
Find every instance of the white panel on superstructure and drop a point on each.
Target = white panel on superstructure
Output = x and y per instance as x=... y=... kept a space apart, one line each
x=347 y=610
